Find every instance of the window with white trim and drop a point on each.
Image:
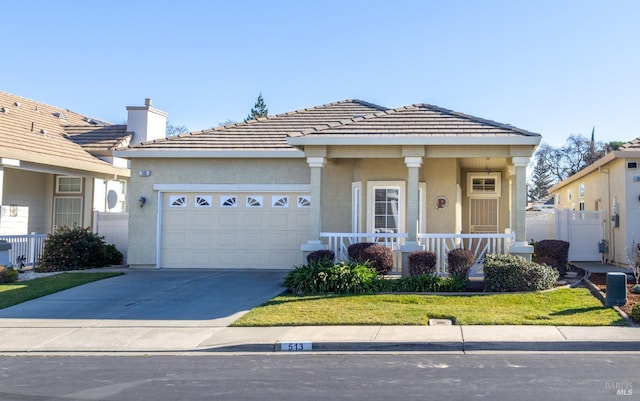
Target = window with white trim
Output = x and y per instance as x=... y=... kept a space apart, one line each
x=177 y=201
x=67 y=211
x=280 y=201
x=229 y=201
x=304 y=201
x=255 y=201
x=203 y=201
x=69 y=185
x=483 y=184
x=385 y=206
x=581 y=190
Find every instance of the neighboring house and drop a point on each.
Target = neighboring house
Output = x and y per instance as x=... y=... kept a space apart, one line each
x=611 y=185
x=258 y=194
x=57 y=166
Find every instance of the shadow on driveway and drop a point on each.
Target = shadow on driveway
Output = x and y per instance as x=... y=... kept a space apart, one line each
x=165 y=294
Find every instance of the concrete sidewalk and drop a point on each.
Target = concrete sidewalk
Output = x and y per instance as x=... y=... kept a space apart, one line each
x=213 y=336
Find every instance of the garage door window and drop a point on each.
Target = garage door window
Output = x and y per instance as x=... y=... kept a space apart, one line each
x=204 y=201
x=304 y=201
x=229 y=201
x=177 y=201
x=280 y=201
x=255 y=201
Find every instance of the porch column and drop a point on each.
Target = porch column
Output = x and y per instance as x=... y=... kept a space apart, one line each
x=413 y=210
x=521 y=247
x=315 y=224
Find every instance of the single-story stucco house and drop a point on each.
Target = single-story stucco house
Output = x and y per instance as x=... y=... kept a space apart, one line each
x=262 y=193
x=56 y=166
x=611 y=185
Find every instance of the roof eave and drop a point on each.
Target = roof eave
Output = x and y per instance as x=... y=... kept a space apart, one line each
x=207 y=154
x=355 y=140
x=595 y=166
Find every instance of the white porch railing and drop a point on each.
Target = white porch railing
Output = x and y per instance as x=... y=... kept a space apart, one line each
x=25 y=249
x=441 y=244
x=339 y=244
x=479 y=244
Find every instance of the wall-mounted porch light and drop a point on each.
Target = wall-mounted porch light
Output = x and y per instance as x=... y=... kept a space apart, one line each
x=141 y=201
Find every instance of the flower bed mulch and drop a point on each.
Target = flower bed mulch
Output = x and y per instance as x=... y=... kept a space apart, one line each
x=600 y=281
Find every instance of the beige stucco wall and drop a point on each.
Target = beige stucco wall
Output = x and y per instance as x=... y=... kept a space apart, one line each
x=32 y=190
x=143 y=221
x=611 y=188
x=440 y=175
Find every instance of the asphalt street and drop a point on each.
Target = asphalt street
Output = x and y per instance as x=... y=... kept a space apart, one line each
x=498 y=377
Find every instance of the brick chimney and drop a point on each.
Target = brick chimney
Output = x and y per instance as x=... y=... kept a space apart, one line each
x=146 y=122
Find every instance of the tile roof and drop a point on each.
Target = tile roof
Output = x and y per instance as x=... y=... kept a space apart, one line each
x=99 y=139
x=344 y=119
x=423 y=120
x=268 y=133
x=633 y=144
x=34 y=132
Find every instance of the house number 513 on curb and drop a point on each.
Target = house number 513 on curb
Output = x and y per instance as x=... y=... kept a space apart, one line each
x=297 y=346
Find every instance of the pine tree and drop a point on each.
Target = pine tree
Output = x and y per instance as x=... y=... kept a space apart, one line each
x=258 y=110
x=541 y=180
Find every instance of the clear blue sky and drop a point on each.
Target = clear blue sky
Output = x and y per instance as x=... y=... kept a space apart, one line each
x=552 y=67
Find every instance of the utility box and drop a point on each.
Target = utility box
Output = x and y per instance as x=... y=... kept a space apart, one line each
x=4 y=252
x=616 y=289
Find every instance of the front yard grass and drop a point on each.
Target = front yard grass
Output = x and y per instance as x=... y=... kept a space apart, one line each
x=562 y=307
x=15 y=293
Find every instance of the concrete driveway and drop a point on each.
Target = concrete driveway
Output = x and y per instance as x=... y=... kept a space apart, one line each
x=158 y=295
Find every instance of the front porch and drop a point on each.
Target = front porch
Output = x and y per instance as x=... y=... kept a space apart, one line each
x=440 y=244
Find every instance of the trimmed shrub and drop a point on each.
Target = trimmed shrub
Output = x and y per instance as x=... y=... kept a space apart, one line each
x=8 y=275
x=553 y=249
x=112 y=256
x=74 y=249
x=547 y=260
x=422 y=262
x=635 y=313
x=507 y=273
x=378 y=256
x=322 y=254
x=460 y=261
x=429 y=283
x=341 y=278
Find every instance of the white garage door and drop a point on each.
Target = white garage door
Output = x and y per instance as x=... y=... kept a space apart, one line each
x=234 y=230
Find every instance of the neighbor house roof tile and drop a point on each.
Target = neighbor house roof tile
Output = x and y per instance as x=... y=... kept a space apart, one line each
x=34 y=132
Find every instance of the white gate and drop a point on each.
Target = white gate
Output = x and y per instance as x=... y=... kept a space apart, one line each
x=583 y=230
x=114 y=227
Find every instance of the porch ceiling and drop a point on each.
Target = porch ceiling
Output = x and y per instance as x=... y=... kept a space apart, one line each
x=484 y=163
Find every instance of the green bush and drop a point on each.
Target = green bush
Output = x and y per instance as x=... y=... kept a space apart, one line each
x=322 y=254
x=635 y=313
x=8 y=275
x=378 y=255
x=460 y=262
x=428 y=283
x=321 y=277
x=552 y=252
x=422 y=262
x=507 y=273
x=74 y=249
x=112 y=256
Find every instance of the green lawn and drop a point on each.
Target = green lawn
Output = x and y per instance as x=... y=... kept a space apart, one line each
x=564 y=307
x=15 y=293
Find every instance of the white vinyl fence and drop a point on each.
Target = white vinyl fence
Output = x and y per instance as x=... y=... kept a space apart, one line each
x=114 y=227
x=582 y=229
